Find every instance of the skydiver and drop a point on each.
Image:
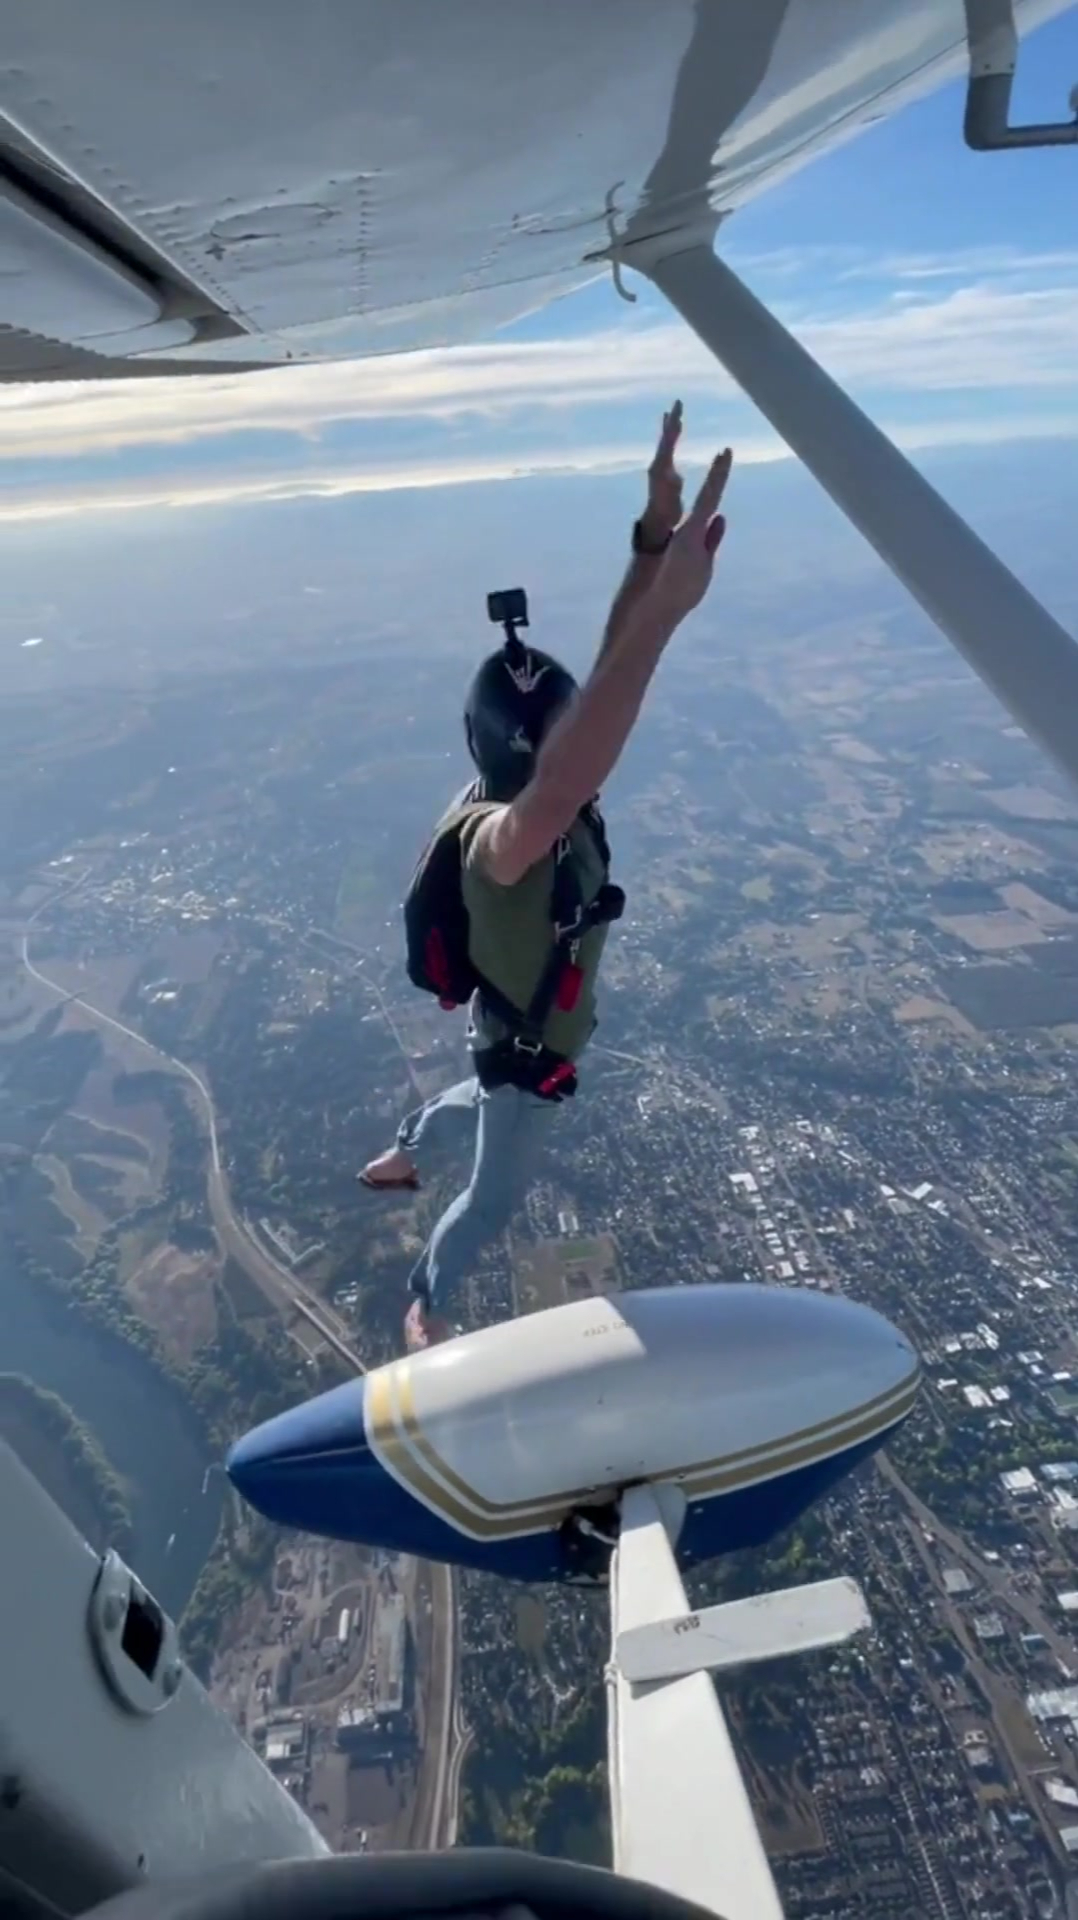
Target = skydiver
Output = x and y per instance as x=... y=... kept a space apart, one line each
x=528 y=825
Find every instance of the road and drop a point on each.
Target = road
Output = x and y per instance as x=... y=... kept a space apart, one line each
x=995 y=1690
x=445 y=1716
x=997 y=1580
x=271 y=1276
x=461 y=1746
x=289 y=1295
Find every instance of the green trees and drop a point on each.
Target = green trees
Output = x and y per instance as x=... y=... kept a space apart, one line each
x=566 y=1815
x=28 y=1411
x=237 y=1380
x=954 y=1467
x=241 y=1376
x=540 y=1788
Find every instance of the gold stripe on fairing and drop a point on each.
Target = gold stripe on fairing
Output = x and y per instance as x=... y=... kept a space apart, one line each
x=793 y=1457
x=396 y=1458
x=832 y=1428
x=390 y=1407
x=545 y=1503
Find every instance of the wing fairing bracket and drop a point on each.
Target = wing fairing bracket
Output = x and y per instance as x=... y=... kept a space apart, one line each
x=993 y=62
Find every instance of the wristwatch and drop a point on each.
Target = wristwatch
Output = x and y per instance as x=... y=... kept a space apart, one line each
x=641 y=543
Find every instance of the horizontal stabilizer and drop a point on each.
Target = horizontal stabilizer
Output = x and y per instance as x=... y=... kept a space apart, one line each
x=742 y=1632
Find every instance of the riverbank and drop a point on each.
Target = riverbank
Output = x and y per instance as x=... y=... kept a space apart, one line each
x=141 y=1421
x=66 y=1458
x=162 y=1383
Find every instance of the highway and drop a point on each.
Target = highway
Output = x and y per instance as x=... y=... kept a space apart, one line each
x=443 y=1718
x=289 y=1295
x=999 y=1581
x=272 y=1277
x=459 y=1746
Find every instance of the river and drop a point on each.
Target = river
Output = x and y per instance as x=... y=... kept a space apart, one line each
x=139 y=1422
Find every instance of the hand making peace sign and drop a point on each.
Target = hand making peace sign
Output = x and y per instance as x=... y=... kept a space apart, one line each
x=663 y=511
x=687 y=565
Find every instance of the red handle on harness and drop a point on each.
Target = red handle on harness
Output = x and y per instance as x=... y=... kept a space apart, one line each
x=564 y=1071
x=569 y=988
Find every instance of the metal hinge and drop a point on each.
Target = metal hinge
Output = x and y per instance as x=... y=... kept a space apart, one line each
x=993 y=60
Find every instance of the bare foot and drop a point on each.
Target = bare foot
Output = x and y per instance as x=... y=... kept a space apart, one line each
x=424 y=1329
x=391 y=1169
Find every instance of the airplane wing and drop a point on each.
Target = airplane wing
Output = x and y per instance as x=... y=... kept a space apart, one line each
x=211 y=187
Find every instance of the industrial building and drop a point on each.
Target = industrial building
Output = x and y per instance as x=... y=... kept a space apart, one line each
x=286 y=1741
x=956 y=1580
x=1055 y=1703
x=1020 y=1484
x=361 y=1736
x=389 y=1645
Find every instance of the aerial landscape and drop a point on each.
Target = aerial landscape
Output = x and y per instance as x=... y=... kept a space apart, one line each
x=836 y=1050
x=837 y=1047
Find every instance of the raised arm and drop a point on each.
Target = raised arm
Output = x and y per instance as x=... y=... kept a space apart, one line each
x=585 y=744
x=652 y=532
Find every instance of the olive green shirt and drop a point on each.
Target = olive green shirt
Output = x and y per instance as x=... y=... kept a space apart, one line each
x=512 y=934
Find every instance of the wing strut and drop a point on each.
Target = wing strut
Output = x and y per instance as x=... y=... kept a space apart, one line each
x=1008 y=638
x=680 y=1812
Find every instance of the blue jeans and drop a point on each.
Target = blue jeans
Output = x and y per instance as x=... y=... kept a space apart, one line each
x=511 y=1129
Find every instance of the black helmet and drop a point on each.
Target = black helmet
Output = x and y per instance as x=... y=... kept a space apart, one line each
x=511 y=703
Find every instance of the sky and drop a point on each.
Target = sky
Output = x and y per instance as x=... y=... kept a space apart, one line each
x=938 y=286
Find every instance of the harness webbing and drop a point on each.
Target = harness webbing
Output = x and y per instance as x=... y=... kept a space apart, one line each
x=571 y=920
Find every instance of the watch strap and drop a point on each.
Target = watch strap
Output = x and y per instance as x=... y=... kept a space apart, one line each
x=641 y=543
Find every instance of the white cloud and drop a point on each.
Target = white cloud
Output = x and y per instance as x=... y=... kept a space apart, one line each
x=987 y=262
x=816 y=264
x=229 y=488
x=974 y=338
x=993 y=322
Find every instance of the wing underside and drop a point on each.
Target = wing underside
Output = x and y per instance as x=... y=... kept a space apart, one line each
x=203 y=189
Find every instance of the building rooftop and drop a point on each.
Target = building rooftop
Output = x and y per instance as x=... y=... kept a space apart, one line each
x=1019 y=1480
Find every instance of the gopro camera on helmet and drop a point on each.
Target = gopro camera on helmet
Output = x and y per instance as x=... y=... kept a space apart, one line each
x=508 y=609
x=514 y=696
